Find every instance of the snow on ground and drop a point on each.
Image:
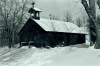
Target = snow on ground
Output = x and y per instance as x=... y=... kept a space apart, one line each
x=77 y=55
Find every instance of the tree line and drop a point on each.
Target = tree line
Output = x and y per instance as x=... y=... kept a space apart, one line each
x=12 y=14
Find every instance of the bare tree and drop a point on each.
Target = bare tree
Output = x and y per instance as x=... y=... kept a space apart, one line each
x=94 y=29
x=79 y=22
x=84 y=19
x=67 y=17
x=12 y=13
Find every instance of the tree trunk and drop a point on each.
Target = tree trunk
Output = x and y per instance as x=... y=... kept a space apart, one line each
x=13 y=36
x=97 y=44
x=94 y=29
x=8 y=39
x=92 y=23
x=13 y=33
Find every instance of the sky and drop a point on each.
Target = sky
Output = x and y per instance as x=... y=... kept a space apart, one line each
x=59 y=7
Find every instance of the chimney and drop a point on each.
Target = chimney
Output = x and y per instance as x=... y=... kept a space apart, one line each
x=50 y=16
x=33 y=5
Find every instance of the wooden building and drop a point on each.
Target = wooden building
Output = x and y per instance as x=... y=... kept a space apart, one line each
x=42 y=32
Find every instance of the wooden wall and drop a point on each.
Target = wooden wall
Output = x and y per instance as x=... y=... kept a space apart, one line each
x=53 y=39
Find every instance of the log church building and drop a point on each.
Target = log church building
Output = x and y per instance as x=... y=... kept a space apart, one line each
x=41 y=32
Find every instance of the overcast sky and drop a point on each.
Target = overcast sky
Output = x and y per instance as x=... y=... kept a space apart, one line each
x=59 y=7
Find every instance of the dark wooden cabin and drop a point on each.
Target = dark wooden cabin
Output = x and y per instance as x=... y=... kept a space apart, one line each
x=43 y=36
x=41 y=32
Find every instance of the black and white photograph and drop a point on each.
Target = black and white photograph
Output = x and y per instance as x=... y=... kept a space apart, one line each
x=49 y=32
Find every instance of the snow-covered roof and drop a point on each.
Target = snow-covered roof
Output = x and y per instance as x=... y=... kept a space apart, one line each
x=58 y=26
x=37 y=9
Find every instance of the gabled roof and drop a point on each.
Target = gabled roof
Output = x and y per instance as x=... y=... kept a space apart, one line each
x=58 y=26
x=31 y=10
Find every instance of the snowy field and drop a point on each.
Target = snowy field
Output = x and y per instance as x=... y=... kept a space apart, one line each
x=78 y=55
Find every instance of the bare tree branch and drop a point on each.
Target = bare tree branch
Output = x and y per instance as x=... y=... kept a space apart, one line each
x=67 y=17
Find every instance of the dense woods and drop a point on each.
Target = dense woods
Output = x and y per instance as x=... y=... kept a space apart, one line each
x=12 y=13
